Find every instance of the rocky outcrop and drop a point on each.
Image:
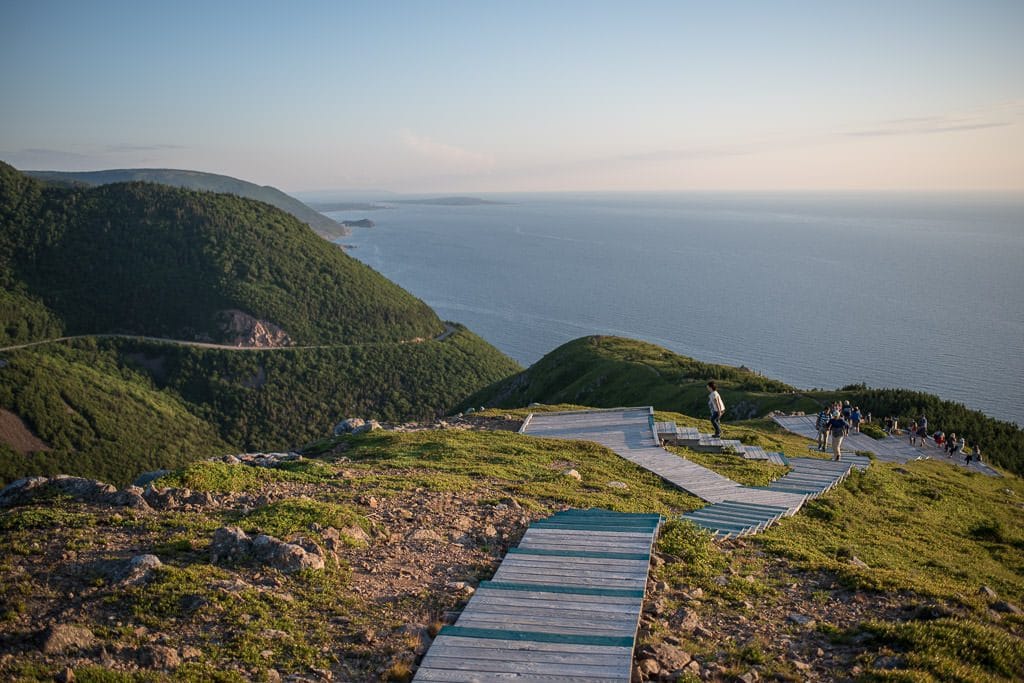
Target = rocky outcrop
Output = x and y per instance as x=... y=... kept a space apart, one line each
x=242 y=329
x=23 y=491
x=355 y=425
x=231 y=544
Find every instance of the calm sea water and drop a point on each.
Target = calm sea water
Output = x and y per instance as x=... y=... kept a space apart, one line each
x=922 y=292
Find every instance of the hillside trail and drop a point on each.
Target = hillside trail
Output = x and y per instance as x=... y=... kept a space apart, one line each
x=449 y=330
x=734 y=510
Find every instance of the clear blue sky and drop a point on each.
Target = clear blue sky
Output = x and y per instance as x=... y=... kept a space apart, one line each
x=491 y=96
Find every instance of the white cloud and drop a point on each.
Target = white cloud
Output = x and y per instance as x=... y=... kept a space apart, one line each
x=449 y=157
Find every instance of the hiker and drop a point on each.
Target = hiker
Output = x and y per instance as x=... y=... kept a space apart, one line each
x=939 y=437
x=822 y=426
x=912 y=430
x=855 y=417
x=961 y=444
x=951 y=444
x=717 y=408
x=839 y=428
x=847 y=411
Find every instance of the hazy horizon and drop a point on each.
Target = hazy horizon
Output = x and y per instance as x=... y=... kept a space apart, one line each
x=461 y=98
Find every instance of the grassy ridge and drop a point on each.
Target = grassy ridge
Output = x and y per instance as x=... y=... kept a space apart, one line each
x=114 y=408
x=606 y=372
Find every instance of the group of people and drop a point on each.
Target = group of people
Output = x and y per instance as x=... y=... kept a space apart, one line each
x=951 y=444
x=835 y=422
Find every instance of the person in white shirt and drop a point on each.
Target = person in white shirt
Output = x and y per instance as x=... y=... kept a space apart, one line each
x=717 y=408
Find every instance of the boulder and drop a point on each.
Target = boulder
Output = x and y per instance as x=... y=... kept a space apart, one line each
x=230 y=543
x=61 y=638
x=21 y=491
x=617 y=485
x=370 y=426
x=425 y=536
x=288 y=557
x=130 y=497
x=78 y=488
x=159 y=657
x=348 y=426
x=572 y=474
x=139 y=569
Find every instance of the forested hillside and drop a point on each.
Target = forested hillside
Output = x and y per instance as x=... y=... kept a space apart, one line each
x=112 y=408
x=612 y=371
x=208 y=182
x=155 y=260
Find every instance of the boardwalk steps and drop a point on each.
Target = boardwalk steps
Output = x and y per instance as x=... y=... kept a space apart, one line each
x=690 y=437
x=563 y=606
x=734 y=510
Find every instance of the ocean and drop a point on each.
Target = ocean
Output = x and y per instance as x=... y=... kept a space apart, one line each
x=923 y=292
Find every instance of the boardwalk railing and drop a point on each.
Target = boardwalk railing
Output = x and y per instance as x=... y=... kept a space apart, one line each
x=563 y=606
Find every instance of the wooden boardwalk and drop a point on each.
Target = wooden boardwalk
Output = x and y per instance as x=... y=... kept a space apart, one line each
x=631 y=433
x=890 y=449
x=563 y=606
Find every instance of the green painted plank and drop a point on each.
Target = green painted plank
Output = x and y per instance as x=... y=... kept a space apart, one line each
x=537 y=636
x=556 y=588
x=585 y=525
x=581 y=553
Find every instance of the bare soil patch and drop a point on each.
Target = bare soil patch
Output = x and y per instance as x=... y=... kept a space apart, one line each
x=16 y=434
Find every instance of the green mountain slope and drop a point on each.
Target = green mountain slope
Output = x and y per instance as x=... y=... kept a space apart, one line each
x=97 y=419
x=196 y=180
x=606 y=372
x=112 y=408
x=162 y=261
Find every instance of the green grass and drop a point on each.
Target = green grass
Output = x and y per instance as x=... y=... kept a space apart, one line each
x=925 y=527
x=300 y=514
x=224 y=478
x=22 y=518
x=507 y=463
x=949 y=649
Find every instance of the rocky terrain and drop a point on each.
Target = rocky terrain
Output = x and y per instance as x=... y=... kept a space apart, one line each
x=342 y=562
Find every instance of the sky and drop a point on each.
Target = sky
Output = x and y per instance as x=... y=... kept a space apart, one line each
x=523 y=96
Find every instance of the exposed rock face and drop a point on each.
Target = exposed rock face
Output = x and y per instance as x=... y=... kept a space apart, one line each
x=242 y=329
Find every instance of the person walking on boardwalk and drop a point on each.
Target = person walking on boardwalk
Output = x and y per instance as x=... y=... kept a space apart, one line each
x=717 y=408
x=839 y=429
x=822 y=426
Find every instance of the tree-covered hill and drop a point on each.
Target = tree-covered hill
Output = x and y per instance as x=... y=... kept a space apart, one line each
x=606 y=372
x=197 y=180
x=162 y=261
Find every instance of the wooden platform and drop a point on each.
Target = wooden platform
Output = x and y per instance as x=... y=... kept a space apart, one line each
x=563 y=606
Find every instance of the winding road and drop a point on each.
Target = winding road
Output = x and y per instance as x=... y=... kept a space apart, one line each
x=449 y=330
